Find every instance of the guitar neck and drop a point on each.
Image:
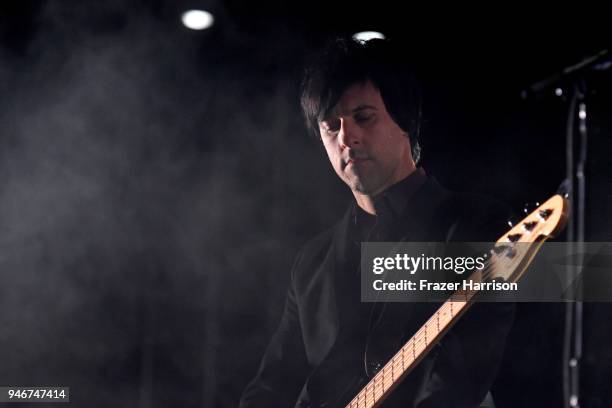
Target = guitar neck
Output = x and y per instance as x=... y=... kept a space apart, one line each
x=389 y=376
x=548 y=219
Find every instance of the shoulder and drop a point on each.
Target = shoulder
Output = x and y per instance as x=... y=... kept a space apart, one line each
x=474 y=203
x=318 y=245
x=313 y=253
x=465 y=216
x=477 y=217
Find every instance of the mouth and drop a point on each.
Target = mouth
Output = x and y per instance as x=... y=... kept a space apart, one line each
x=355 y=161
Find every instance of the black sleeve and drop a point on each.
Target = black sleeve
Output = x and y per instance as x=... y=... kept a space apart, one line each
x=284 y=366
x=468 y=358
x=467 y=361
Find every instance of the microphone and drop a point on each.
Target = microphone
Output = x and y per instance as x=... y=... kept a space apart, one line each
x=601 y=61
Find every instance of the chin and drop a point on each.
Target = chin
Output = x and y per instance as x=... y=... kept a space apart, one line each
x=363 y=188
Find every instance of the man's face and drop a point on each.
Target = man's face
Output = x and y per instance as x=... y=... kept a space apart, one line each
x=367 y=149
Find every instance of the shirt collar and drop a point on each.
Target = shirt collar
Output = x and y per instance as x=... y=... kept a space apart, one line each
x=391 y=203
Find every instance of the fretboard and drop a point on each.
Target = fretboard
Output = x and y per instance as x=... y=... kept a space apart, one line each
x=389 y=376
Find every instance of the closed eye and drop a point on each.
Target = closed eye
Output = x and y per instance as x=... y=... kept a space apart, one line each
x=363 y=118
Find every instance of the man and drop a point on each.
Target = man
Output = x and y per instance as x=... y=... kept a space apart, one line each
x=364 y=105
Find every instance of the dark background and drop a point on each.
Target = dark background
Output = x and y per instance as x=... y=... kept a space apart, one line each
x=156 y=182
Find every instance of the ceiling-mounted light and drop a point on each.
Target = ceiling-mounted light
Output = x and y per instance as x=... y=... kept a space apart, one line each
x=364 y=36
x=197 y=19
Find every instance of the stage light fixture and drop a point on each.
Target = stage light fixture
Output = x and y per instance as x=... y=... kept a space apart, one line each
x=197 y=19
x=364 y=36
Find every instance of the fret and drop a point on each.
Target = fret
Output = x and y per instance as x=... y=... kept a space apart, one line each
x=385 y=372
x=388 y=382
x=405 y=350
x=419 y=345
x=390 y=369
x=377 y=385
x=372 y=389
x=361 y=400
x=432 y=332
x=398 y=365
x=445 y=316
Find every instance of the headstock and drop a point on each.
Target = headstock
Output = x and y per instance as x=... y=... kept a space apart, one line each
x=514 y=250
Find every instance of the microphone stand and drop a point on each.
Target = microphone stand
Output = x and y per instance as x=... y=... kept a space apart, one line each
x=572 y=343
x=576 y=192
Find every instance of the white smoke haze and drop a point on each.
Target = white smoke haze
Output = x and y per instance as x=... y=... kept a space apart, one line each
x=116 y=213
x=155 y=184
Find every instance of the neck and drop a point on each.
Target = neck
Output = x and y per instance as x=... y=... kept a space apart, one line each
x=366 y=201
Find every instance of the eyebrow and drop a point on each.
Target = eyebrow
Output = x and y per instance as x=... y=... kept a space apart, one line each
x=357 y=109
x=362 y=107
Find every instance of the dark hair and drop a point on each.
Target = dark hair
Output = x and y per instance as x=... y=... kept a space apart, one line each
x=344 y=62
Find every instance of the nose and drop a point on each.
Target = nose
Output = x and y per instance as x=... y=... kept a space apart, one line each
x=349 y=134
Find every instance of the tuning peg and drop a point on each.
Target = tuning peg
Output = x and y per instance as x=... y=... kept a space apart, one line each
x=530 y=207
x=565 y=188
x=513 y=220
